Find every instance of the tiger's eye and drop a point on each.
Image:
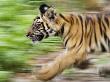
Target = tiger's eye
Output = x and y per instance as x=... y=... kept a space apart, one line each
x=38 y=18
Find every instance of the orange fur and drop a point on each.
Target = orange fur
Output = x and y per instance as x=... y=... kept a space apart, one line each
x=81 y=33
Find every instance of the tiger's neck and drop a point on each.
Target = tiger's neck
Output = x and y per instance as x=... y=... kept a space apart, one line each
x=63 y=22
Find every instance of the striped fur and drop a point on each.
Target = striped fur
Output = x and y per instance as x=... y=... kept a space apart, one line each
x=81 y=34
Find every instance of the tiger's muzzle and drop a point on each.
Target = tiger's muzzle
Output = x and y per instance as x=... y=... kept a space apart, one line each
x=35 y=37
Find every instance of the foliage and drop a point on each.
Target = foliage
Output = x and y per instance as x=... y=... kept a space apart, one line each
x=15 y=18
x=4 y=76
x=15 y=48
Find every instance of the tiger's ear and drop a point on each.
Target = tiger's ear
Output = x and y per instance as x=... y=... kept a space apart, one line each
x=43 y=8
x=47 y=12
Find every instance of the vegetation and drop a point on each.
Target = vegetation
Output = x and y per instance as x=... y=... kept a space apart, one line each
x=16 y=49
x=4 y=76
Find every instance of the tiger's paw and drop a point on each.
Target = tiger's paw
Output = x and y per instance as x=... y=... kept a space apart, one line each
x=47 y=73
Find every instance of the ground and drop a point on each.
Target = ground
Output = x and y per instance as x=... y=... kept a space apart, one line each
x=72 y=75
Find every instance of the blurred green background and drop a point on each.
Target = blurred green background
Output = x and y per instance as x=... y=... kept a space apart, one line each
x=16 y=16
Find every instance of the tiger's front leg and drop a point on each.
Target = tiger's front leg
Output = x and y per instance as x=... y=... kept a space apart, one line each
x=61 y=62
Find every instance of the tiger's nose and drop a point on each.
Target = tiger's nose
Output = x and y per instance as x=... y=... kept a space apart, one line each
x=29 y=34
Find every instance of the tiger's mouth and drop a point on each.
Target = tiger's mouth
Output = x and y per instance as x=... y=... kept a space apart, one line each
x=36 y=37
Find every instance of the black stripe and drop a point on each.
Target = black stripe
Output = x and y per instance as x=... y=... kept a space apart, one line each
x=88 y=19
x=72 y=19
x=99 y=22
x=63 y=17
x=47 y=26
x=79 y=48
x=71 y=37
x=73 y=46
x=67 y=33
x=62 y=28
x=95 y=37
x=82 y=35
x=90 y=37
x=65 y=43
x=81 y=40
x=105 y=37
x=80 y=17
x=47 y=35
x=61 y=31
x=103 y=48
x=106 y=20
x=104 y=26
x=86 y=25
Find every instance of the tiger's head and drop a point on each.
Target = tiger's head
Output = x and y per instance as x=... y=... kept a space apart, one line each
x=39 y=30
x=55 y=20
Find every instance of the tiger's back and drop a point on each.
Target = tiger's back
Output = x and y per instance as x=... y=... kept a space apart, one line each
x=95 y=27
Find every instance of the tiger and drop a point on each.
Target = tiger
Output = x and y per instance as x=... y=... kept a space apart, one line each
x=82 y=33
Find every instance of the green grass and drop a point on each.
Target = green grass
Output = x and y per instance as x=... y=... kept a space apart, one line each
x=16 y=16
x=4 y=76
